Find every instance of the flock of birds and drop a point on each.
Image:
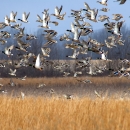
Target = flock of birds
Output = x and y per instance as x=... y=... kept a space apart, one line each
x=79 y=28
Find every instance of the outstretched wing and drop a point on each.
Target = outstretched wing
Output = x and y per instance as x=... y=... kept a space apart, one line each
x=27 y=15
x=60 y=9
x=39 y=17
x=56 y=11
x=122 y=1
x=87 y=6
x=11 y=47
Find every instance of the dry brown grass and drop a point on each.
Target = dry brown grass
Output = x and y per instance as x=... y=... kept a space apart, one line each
x=68 y=80
x=61 y=114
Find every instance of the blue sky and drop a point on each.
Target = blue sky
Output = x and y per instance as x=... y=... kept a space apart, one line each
x=37 y=6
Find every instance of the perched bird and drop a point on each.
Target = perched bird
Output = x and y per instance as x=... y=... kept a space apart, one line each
x=38 y=63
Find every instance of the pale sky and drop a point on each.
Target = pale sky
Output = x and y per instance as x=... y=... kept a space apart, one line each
x=37 y=6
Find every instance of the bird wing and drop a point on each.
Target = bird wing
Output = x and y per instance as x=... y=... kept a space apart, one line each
x=6 y=20
x=122 y=1
x=56 y=11
x=39 y=17
x=24 y=16
x=87 y=6
x=72 y=27
x=60 y=9
x=37 y=63
x=11 y=47
x=11 y=70
x=27 y=15
x=14 y=71
x=12 y=15
x=96 y=13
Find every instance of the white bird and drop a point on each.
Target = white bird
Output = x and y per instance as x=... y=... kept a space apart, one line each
x=46 y=19
x=68 y=96
x=104 y=55
x=7 y=51
x=24 y=17
x=72 y=28
x=12 y=17
x=75 y=54
x=38 y=63
x=41 y=85
x=7 y=21
x=23 y=78
x=22 y=95
x=58 y=13
x=103 y=2
x=76 y=73
x=97 y=94
x=12 y=72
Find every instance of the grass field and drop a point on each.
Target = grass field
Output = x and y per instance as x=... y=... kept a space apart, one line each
x=61 y=114
x=40 y=110
x=107 y=86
